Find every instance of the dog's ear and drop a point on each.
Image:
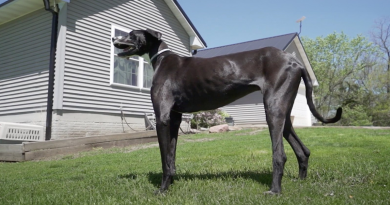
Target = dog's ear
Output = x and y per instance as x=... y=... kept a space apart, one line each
x=154 y=33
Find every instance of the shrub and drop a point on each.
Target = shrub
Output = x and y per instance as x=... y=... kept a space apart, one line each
x=355 y=116
x=381 y=116
x=208 y=118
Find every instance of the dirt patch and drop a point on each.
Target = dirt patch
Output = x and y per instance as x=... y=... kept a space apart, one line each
x=100 y=150
x=198 y=140
x=138 y=147
x=128 y=149
x=252 y=132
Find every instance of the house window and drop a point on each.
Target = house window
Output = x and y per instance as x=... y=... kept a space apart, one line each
x=132 y=72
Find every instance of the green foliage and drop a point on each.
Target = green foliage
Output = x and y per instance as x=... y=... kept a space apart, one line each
x=381 y=114
x=346 y=166
x=337 y=60
x=351 y=74
x=208 y=119
x=355 y=116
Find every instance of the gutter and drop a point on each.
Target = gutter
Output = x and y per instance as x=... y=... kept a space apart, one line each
x=53 y=48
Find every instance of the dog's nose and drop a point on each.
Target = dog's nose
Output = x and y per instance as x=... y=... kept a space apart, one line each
x=113 y=39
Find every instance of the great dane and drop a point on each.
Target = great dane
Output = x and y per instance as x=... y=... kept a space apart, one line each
x=191 y=84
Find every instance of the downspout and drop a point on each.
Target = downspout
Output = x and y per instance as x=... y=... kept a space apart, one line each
x=53 y=48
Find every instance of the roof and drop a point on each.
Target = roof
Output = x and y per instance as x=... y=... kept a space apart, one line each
x=280 y=42
x=13 y=9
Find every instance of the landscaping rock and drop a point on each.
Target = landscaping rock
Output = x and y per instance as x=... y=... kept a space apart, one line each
x=234 y=128
x=219 y=128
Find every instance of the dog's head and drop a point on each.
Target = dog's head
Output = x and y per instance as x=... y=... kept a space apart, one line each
x=138 y=42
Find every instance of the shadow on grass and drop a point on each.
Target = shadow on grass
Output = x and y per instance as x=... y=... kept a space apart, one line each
x=261 y=177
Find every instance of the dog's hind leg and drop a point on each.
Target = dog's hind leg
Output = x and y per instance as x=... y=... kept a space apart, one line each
x=167 y=123
x=279 y=98
x=301 y=151
x=275 y=112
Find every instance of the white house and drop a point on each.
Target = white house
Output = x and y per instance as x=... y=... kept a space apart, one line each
x=89 y=85
x=58 y=68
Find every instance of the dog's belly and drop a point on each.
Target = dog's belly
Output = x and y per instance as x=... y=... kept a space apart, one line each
x=193 y=100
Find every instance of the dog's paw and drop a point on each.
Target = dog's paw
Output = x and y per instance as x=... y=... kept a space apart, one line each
x=159 y=192
x=271 y=193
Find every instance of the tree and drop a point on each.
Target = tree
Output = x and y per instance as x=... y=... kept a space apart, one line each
x=381 y=37
x=339 y=63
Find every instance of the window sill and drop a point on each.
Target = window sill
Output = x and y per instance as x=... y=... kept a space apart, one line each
x=130 y=87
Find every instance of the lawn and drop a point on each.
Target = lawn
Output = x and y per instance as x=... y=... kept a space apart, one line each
x=347 y=166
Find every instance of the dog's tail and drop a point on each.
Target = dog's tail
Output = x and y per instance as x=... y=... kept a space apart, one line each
x=309 y=91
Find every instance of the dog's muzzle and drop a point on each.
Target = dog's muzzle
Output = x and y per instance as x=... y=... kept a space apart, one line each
x=121 y=42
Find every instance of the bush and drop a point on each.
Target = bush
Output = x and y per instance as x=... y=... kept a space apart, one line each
x=208 y=118
x=355 y=116
x=381 y=117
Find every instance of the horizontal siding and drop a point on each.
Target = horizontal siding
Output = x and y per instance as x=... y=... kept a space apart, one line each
x=247 y=110
x=24 y=57
x=88 y=46
x=246 y=114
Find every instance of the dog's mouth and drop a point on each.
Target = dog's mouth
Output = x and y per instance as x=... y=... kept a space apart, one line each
x=121 y=43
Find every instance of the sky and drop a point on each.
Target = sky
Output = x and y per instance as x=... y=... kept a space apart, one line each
x=224 y=22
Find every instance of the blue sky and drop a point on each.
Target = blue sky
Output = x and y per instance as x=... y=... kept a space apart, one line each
x=223 y=22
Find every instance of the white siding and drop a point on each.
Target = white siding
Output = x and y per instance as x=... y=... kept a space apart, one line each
x=24 y=63
x=87 y=56
x=246 y=114
x=247 y=110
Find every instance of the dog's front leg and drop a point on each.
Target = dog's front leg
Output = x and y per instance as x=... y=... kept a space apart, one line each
x=175 y=121
x=163 y=141
x=167 y=123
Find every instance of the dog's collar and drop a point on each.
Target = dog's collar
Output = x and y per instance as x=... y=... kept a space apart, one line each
x=158 y=53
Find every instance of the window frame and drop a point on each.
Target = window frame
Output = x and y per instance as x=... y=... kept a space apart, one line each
x=141 y=61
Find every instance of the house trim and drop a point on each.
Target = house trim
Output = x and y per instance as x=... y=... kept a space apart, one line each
x=296 y=40
x=197 y=41
x=306 y=62
x=60 y=58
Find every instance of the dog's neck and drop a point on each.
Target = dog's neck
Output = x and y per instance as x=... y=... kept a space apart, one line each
x=156 y=51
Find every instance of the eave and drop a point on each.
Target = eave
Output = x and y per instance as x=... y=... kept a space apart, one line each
x=196 y=40
x=305 y=59
x=13 y=9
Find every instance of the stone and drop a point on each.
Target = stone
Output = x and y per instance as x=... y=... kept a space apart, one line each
x=219 y=128
x=234 y=128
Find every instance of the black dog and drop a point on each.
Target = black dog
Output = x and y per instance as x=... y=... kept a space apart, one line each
x=190 y=84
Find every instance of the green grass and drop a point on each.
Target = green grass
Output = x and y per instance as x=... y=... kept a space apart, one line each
x=347 y=166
